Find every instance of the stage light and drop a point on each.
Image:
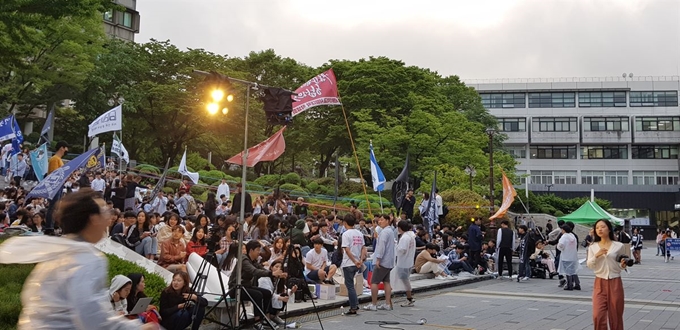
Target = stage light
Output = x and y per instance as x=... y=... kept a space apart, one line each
x=230 y=98
x=213 y=108
x=218 y=95
x=225 y=111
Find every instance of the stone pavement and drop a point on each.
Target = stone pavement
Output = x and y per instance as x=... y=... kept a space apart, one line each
x=652 y=292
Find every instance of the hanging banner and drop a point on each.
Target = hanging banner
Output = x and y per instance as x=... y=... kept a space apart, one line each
x=39 y=161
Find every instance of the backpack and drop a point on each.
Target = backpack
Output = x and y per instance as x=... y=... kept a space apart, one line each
x=191 y=206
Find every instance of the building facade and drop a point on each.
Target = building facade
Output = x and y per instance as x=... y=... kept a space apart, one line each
x=618 y=136
x=122 y=24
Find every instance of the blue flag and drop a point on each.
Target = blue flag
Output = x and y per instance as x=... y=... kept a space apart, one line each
x=54 y=182
x=39 y=161
x=7 y=128
x=376 y=173
x=18 y=137
x=48 y=123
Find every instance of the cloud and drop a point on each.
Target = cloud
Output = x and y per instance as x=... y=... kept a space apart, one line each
x=480 y=39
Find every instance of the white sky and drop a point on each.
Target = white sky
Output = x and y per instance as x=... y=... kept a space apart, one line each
x=469 y=38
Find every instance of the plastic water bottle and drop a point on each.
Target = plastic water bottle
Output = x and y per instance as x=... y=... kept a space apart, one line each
x=342 y=310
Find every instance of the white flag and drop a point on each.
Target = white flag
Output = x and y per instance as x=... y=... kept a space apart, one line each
x=112 y=120
x=182 y=169
x=118 y=148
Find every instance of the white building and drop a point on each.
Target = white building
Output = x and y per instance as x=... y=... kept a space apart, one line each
x=619 y=136
x=122 y=24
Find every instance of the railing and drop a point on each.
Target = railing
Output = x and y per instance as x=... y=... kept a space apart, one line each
x=569 y=79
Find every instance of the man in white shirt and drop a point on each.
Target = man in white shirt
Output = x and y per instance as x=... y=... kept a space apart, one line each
x=440 y=207
x=160 y=203
x=4 y=161
x=223 y=189
x=316 y=262
x=383 y=260
x=406 y=253
x=352 y=260
x=98 y=184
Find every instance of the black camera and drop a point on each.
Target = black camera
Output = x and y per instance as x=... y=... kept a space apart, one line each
x=629 y=261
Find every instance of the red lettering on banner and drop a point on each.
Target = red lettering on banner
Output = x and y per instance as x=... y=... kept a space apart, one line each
x=320 y=90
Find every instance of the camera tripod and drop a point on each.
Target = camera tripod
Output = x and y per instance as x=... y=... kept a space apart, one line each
x=199 y=285
x=286 y=268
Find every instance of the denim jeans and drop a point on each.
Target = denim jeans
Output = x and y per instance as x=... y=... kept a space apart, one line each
x=348 y=273
x=145 y=247
x=457 y=265
x=524 y=268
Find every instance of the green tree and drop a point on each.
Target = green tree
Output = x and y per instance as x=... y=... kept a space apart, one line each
x=46 y=50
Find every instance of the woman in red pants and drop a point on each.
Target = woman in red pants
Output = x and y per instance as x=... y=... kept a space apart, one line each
x=602 y=258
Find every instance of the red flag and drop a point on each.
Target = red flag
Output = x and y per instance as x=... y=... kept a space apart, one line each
x=320 y=90
x=267 y=150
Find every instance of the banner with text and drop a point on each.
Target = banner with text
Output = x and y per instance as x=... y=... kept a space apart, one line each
x=54 y=182
x=320 y=90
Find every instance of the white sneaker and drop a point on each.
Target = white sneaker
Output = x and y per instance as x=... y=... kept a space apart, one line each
x=439 y=277
x=370 y=307
x=451 y=277
x=524 y=279
x=384 y=307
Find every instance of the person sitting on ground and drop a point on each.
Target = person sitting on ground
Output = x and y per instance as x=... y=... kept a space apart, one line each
x=316 y=263
x=151 y=314
x=118 y=293
x=458 y=260
x=178 y=304
x=426 y=263
x=277 y=286
x=197 y=243
x=174 y=251
x=541 y=256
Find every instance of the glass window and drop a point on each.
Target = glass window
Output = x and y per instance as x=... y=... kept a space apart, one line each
x=517 y=151
x=520 y=178
x=654 y=99
x=592 y=177
x=604 y=152
x=552 y=100
x=616 y=177
x=655 y=152
x=127 y=19
x=541 y=177
x=553 y=152
x=605 y=124
x=657 y=123
x=554 y=124
x=601 y=99
x=564 y=177
x=512 y=124
x=666 y=177
x=644 y=177
x=108 y=16
x=503 y=100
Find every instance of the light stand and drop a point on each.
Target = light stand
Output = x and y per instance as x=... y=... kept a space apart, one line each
x=249 y=85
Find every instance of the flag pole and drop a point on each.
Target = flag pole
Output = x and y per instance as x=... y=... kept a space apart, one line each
x=381 y=204
x=356 y=157
x=120 y=157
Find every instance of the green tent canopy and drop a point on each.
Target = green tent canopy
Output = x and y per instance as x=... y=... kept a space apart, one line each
x=589 y=213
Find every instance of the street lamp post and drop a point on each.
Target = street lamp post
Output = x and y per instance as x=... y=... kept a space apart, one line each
x=491 y=131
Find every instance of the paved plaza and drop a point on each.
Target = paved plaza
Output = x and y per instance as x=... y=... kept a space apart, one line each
x=652 y=302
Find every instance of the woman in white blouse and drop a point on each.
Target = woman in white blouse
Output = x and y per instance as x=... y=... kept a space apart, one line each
x=608 y=288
